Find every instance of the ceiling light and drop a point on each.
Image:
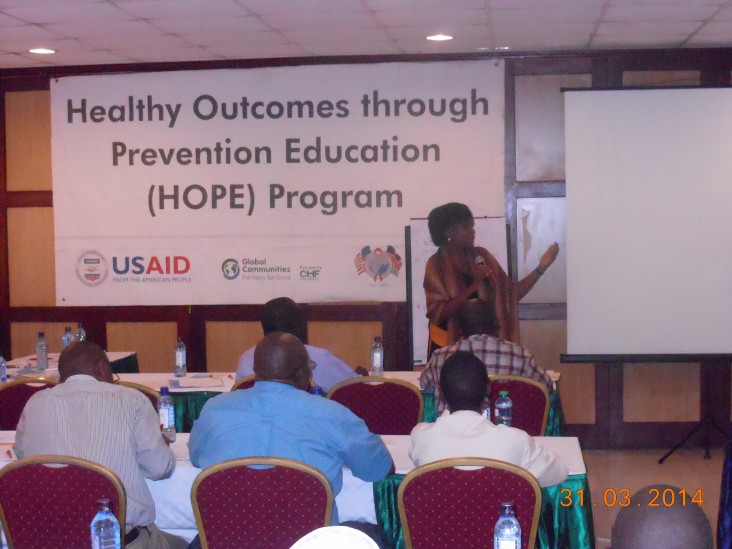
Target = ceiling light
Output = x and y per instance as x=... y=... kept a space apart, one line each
x=42 y=51
x=439 y=37
x=503 y=48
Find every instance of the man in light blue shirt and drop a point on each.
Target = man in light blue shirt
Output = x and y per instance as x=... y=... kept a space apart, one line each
x=282 y=314
x=279 y=418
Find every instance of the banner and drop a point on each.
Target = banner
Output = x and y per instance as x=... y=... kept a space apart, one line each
x=236 y=186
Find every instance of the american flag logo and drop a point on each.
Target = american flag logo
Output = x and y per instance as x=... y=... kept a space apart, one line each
x=378 y=263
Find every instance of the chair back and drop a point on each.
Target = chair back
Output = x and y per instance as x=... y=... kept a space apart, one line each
x=259 y=503
x=441 y=505
x=152 y=395
x=13 y=396
x=530 y=402
x=50 y=500
x=388 y=406
x=246 y=382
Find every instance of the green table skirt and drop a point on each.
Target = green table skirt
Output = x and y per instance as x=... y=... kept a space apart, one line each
x=126 y=365
x=562 y=525
x=188 y=407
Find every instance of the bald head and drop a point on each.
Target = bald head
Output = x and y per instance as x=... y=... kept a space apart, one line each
x=649 y=523
x=477 y=317
x=282 y=357
x=84 y=357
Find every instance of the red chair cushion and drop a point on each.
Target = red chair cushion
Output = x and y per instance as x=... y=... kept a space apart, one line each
x=267 y=508
x=52 y=506
x=387 y=408
x=12 y=402
x=451 y=507
x=529 y=403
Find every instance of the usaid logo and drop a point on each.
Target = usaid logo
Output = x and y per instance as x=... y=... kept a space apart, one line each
x=91 y=268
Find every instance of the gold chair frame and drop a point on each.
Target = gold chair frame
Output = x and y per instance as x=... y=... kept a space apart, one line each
x=54 y=459
x=469 y=462
x=245 y=379
x=23 y=380
x=258 y=460
x=528 y=380
x=142 y=388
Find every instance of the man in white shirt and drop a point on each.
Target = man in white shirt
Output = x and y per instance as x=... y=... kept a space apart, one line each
x=89 y=417
x=462 y=431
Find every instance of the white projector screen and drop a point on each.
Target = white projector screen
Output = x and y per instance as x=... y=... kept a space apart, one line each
x=649 y=221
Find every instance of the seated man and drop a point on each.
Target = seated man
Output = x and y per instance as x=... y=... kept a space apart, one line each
x=279 y=418
x=89 y=417
x=649 y=522
x=478 y=323
x=462 y=431
x=282 y=314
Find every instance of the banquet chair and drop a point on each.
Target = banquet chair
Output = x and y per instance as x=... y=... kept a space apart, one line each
x=244 y=383
x=456 y=503
x=13 y=396
x=388 y=406
x=50 y=500
x=259 y=503
x=530 y=401
x=152 y=395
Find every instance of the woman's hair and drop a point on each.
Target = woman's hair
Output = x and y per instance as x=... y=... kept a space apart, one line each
x=445 y=216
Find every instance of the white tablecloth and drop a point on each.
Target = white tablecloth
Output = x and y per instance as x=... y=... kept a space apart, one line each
x=355 y=501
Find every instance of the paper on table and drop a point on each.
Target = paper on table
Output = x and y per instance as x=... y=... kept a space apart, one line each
x=196 y=382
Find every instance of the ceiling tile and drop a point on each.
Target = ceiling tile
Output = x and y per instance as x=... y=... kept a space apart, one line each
x=433 y=18
x=427 y=5
x=659 y=14
x=643 y=30
x=267 y=52
x=321 y=20
x=270 y=7
x=546 y=15
x=352 y=48
x=250 y=40
x=165 y=9
x=341 y=35
x=129 y=30
x=114 y=42
x=211 y=26
x=58 y=13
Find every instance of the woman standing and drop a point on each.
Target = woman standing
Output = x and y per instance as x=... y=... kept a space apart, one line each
x=460 y=271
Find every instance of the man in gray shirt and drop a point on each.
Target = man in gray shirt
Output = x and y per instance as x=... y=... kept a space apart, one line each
x=89 y=417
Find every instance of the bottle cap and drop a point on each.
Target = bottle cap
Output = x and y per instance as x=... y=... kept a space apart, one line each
x=163 y=390
x=377 y=339
x=41 y=334
x=503 y=393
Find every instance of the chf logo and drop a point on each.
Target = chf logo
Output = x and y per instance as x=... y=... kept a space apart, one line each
x=230 y=269
x=310 y=272
x=378 y=263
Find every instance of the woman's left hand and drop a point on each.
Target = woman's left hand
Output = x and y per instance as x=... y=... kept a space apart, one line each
x=549 y=256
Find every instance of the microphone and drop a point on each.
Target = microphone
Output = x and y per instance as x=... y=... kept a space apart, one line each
x=479 y=260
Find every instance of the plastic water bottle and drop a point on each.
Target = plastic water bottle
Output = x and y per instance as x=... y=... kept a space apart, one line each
x=41 y=352
x=503 y=411
x=166 y=411
x=507 y=533
x=80 y=333
x=180 y=359
x=3 y=370
x=68 y=338
x=377 y=357
x=105 y=530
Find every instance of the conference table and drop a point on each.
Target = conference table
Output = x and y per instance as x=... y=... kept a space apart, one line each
x=562 y=526
x=120 y=362
x=193 y=391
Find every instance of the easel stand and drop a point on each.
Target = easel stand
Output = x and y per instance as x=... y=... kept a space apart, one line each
x=710 y=391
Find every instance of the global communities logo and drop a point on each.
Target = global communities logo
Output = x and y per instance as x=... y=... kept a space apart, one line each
x=92 y=268
x=378 y=263
x=230 y=269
